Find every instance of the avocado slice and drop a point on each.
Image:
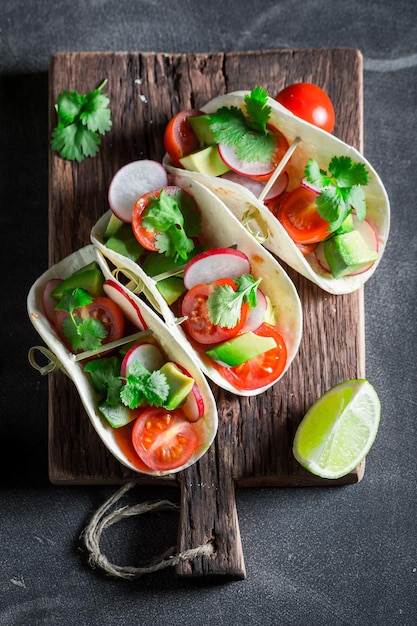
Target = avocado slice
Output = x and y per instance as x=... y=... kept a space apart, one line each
x=348 y=253
x=241 y=348
x=118 y=415
x=179 y=384
x=124 y=242
x=171 y=288
x=206 y=161
x=89 y=278
x=201 y=126
x=113 y=226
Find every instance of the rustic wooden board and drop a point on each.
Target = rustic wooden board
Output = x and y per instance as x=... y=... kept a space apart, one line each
x=253 y=445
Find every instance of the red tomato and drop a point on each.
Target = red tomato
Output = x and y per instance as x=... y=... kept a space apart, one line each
x=179 y=137
x=103 y=309
x=310 y=103
x=298 y=214
x=262 y=369
x=198 y=324
x=147 y=238
x=164 y=440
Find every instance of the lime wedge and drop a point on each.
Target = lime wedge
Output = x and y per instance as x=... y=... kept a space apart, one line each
x=339 y=429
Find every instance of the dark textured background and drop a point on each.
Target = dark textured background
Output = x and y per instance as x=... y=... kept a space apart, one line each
x=326 y=557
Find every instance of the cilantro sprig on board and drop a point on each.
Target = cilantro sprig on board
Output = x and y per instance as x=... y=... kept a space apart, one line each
x=246 y=131
x=224 y=303
x=83 y=332
x=340 y=189
x=81 y=119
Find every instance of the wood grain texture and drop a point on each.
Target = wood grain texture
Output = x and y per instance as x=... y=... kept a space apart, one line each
x=253 y=445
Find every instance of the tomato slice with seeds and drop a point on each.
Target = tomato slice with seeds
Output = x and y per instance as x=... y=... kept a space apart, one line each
x=164 y=440
x=198 y=324
x=298 y=214
x=263 y=369
x=179 y=137
x=102 y=309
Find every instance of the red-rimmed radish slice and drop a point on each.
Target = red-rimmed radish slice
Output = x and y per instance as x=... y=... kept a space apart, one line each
x=256 y=187
x=147 y=353
x=370 y=236
x=193 y=407
x=245 y=168
x=130 y=182
x=130 y=309
x=48 y=302
x=211 y=265
x=257 y=313
x=305 y=183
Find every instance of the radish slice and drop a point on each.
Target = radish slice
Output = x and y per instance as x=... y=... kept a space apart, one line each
x=130 y=309
x=256 y=186
x=211 y=265
x=132 y=181
x=370 y=236
x=305 y=183
x=257 y=313
x=245 y=168
x=147 y=353
x=48 y=302
x=193 y=407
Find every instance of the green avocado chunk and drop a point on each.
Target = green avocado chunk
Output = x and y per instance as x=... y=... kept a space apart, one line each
x=206 y=161
x=348 y=253
x=241 y=348
x=179 y=384
x=118 y=415
x=113 y=226
x=89 y=278
x=125 y=243
x=201 y=126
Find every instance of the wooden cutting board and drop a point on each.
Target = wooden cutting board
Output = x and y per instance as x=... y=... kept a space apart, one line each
x=253 y=445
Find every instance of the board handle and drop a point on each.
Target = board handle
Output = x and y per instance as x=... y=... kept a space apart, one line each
x=209 y=516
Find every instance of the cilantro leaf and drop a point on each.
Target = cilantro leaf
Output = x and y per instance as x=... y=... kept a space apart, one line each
x=257 y=108
x=81 y=118
x=175 y=221
x=83 y=332
x=104 y=374
x=248 y=134
x=340 y=189
x=224 y=303
x=144 y=385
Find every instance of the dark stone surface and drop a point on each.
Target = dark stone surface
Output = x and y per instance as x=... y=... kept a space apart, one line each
x=320 y=557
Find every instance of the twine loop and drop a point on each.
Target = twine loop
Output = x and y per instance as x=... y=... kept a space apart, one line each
x=100 y=521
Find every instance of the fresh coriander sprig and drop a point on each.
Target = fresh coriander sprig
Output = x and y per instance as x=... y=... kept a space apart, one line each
x=138 y=386
x=247 y=133
x=340 y=189
x=224 y=303
x=176 y=220
x=83 y=332
x=141 y=384
x=81 y=118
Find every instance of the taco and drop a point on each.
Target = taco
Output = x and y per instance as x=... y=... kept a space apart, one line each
x=222 y=295
x=133 y=378
x=311 y=199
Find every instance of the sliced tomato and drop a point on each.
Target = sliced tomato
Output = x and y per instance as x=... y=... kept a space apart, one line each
x=102 y=309
x=310 y=103
x=298 y=214
x=263 y=369
x=179 y=137
x=164 y=440
x=147 y=238
x=198 y=324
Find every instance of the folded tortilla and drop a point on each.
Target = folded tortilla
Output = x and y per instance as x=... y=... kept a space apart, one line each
x=247 y=208
x=144 y=318
x=220 y=228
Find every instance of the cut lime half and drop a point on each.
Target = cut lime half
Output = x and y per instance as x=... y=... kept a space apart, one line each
x=339 y=429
